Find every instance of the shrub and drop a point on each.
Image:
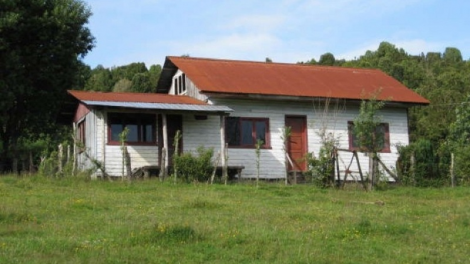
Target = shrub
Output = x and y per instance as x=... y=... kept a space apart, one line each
x=194 y=167
x=430 y=166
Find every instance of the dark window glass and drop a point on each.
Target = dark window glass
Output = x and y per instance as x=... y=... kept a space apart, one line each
x=232 y=131
x=148 y=136
x=116 y=129
x=141 y=127
x=240 y=131
x=381 y=137
x=247 y=129
x=261 y=131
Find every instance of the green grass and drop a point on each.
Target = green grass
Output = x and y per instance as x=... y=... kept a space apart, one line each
x=79 y=221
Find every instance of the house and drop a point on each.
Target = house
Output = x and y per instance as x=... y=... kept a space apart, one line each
x=229 y=105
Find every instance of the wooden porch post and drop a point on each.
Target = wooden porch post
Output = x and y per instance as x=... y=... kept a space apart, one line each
x=165 y=145
x=74 y=164
x=222 y=148
x=104 y=122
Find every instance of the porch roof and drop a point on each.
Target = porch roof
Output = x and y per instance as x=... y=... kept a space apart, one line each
x=151 y=101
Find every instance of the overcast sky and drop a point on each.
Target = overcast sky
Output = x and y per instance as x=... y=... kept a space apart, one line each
x=284 y=30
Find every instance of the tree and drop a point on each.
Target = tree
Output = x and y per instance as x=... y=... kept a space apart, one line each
x=452 y=55
x=327 y=59
x=41 y=43
x=141 y=83
x=123 y=86
x=366 y=127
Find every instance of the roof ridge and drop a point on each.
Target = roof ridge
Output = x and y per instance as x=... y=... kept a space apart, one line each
x=287 y=64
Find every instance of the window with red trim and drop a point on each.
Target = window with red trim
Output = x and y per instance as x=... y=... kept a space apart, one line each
x=81 y=133
x=244 y=132
x=382 y=135
x=141 y=128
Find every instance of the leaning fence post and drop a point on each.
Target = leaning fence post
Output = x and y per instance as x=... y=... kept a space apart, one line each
x=60 y=156
x=452 y=176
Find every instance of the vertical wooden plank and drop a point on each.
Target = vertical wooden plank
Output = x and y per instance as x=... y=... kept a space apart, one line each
x=165 y=145
x=74 y=164
x=223 y=157
x=452 y=176
x=103 y=140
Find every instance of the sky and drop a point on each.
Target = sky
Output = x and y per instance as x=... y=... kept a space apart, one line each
x=289 y=31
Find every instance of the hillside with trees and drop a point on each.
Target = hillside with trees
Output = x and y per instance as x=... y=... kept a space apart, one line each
x=42 y=45
x=134 y=77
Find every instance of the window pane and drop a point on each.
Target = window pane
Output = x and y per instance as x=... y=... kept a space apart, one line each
x=380 y=136
x=261 y=131
x=116 y=129
x=133 y=135
x=232 y=131
x=355 y=140
x=247 y=129
x=148 y=136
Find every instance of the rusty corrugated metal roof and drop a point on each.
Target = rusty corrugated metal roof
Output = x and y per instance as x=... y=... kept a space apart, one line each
x=282 y=79
x=134 y=97
x=146 y=101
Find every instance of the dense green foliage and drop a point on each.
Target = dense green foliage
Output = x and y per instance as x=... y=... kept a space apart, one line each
x=194 y=167
x=74 y=220
x=41 y=43
x=134 y=77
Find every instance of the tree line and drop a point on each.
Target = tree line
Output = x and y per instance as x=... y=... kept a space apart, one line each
x=42 y=44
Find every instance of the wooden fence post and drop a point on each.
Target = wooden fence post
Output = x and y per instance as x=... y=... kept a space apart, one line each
x=452 y=176
x=60 y=157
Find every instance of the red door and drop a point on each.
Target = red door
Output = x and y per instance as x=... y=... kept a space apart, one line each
x=297 y=143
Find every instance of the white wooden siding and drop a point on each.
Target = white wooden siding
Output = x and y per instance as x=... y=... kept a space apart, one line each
x=96 y=142
x=140 y=156
x=272 y=160
x=206 y=133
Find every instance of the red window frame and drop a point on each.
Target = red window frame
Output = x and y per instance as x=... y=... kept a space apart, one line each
x=235 y=134
x=81 y=134
x=140 y=121
x=353 y=139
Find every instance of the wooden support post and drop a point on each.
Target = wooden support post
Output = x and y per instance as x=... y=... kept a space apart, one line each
x=68 y=153
x=162 y=161
x=223 y=150
x=452 y=176
x=412 y=168
x=60 y=157
x=360 y=170
x=165 y=147
x=74 y=161
x=104 y=135
x=337 y=167
x=215 y=167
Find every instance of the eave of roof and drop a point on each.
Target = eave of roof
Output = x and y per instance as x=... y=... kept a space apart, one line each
x=213 y=76
x=162 y=106
x=146 y=101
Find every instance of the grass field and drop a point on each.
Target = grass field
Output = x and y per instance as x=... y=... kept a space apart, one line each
x=79 y=221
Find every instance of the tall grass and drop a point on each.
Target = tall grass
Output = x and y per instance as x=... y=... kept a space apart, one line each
x=70 y=220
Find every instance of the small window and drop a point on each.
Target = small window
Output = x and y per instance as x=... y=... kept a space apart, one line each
x=81 y=132
x=381 y=134
x=141 y=128
x=245 y=132
x=180 y=84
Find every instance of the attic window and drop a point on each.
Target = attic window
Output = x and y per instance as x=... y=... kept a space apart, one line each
x=180 y=84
